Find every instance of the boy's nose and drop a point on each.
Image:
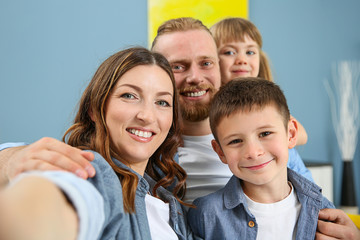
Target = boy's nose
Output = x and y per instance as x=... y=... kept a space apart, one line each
x=253 y=150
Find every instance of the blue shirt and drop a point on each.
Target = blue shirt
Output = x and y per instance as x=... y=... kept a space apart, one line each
x=225 y=214
x=113 y=222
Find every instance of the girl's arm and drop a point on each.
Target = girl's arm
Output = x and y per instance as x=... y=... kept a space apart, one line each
x=35 y=208
x=302 y=135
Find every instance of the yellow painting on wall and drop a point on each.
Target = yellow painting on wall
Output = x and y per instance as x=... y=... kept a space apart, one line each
x=208 y=11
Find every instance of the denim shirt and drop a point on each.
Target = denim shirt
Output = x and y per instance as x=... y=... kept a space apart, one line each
x=225 y=214
x=99 y=203
x=121 y=225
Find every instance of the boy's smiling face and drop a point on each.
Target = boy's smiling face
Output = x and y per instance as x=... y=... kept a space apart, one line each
x=255 y=145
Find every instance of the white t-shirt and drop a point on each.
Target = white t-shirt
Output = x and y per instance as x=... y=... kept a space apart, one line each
x=158 y=214
x=206 y=172
x=276 y=221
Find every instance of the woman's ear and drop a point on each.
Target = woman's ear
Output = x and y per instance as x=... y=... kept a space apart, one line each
x=292 y=133
x=217 y=148
x=91 y=115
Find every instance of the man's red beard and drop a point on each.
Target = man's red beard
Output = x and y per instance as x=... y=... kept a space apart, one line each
x=196 y=111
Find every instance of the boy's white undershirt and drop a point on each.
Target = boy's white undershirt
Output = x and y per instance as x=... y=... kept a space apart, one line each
x=278 y=220
x=158 y=217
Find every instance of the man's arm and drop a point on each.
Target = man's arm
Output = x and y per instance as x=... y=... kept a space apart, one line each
x=335 y=224
x=45 y=154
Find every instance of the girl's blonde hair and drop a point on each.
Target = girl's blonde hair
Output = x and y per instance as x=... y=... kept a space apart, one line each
x=235 y=29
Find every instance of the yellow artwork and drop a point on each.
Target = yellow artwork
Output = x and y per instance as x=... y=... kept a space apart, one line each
x=208 y=11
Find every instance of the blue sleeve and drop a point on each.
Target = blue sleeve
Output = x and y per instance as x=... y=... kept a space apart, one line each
x=296 y=163
x=4 y=146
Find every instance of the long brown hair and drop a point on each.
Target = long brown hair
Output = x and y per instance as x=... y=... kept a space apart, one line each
x=92 y=133
x=235 y=29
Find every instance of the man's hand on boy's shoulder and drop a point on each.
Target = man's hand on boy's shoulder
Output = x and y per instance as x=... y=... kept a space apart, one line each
x=47 y=154
x=335 y=224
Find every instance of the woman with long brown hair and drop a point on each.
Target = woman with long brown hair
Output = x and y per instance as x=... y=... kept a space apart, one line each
x=128 y=118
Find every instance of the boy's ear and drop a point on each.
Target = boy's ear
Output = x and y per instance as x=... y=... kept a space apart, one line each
x=215 y=145
x=292 y=133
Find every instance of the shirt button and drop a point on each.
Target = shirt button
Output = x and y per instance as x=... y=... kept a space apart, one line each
x=251 y=224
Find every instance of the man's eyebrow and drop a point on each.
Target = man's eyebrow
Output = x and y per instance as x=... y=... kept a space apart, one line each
x=181 y=60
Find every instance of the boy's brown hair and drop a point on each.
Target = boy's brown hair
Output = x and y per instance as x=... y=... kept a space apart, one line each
x=246 y=94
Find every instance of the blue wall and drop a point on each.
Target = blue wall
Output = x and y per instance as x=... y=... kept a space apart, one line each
x=49 y=50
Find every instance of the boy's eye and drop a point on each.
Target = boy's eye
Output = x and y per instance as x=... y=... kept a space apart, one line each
x=127 y=96
x=264 y=134
x=235 y=141
x=163 y=103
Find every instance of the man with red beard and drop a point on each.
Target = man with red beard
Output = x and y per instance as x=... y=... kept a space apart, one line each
x=191 y=50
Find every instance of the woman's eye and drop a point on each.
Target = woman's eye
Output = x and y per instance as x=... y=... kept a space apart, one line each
x=127 y=96
x=264 y=134
x=163 y=103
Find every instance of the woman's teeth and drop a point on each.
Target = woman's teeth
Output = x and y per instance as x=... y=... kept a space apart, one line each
x=140 y=133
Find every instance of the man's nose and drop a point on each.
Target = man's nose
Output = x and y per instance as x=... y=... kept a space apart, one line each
x=194 y=75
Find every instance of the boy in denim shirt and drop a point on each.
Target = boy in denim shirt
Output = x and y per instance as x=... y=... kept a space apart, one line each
x=251 y=123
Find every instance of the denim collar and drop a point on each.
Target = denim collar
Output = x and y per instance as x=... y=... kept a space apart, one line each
x=234 y=194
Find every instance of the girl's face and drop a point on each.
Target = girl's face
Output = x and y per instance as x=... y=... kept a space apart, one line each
x=239 y=59
x=139 y=114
